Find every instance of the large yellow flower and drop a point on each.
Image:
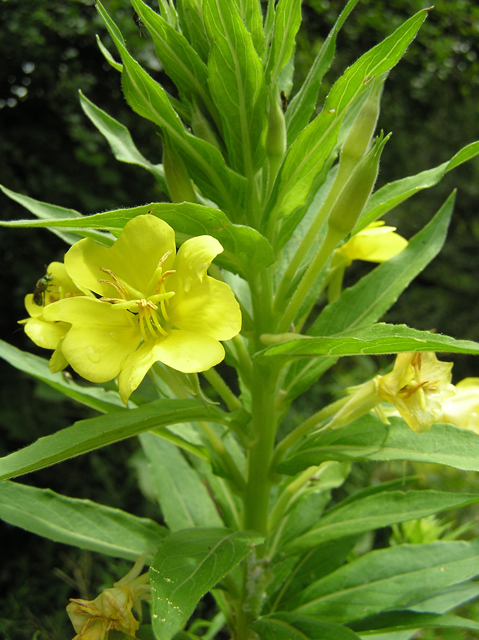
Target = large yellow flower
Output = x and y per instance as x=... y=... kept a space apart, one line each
x=418 y=385
x=155 y=305
x=56 y=285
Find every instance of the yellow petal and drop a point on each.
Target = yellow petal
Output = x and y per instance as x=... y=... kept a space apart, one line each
x=133 y=257
x=374 y=244
x=462 y=409
x=45 y=334
x=100 y=339
x=210 y=308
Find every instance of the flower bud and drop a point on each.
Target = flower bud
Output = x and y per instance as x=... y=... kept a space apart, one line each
x=276 y=136
x=178 y=181
x=353 y=196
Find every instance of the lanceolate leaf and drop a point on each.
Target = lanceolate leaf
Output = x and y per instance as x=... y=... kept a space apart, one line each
x=369 y=439
x=366 y=301
x=310 y=151
x=378 y=339
x=245 y=249
x=394 y=193
x=392 y=578
x=391 y=621
x=95 y=397
x=81 y=523
x=192 y=25
x=376 y=511
x=87 y=435
x=287 y=20
x=183 y=499
x=204 y=162
x=187 y=565
x=302 y=105
x=120 y=140
x=237 y=85
x=291 y=626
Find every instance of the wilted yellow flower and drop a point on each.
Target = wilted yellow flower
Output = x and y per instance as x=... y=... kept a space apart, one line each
x=375 y=243
x=418 y=385
x=462 y=409
x=56 y=285
x=155 y=305
x=111 y=610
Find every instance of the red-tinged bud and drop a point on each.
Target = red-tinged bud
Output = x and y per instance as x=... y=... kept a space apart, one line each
x=353 y=196
x=178 y=181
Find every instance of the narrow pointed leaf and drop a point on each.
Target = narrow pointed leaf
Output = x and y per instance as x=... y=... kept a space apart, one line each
x=87 y=435
x=80 y=523
x=183 y=499
x=392 y=578
x=396 y=192
x=119 y=139
x=391 y=621
x=192 y=25
x=245 y=249
x=237 y=84
x=304 y=102
x=94 y=397
x=308 y=154
x=204 y=162
x=187 y=565
x=107 y=55
x=369 y=439
x=287 y=20
x=376 y=511
x=378 y=339
x=291 y=626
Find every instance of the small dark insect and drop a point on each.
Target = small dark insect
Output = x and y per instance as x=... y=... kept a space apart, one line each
x=139 y=23
x=284 y=101
x=40 y=288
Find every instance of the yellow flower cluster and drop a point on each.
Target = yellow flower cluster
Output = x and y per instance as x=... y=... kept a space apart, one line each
x=114 y=312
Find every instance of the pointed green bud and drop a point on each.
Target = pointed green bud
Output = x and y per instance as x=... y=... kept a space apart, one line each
x=276 y=136
x=202 y=127
x=353 y=196
x=178 y=181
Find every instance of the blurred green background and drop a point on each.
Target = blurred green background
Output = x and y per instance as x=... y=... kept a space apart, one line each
x=51 y=152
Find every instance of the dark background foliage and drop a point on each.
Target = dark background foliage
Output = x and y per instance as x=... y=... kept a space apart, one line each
x=51 y=152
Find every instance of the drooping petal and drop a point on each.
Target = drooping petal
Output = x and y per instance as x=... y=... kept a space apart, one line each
x=100 y=339
x=375 y=243
x=45 y=334
x=462 y=409
x=210 y=308
x=133 y=257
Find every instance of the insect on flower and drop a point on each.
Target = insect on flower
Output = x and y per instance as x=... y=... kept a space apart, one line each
x=40 y=288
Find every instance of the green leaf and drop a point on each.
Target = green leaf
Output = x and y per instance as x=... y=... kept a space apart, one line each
x=180 y=61
x=396 y=192
x=304 y=102
x=120 y=140
x=376 y=511
x=237 y=85
x=204 y=162
x=80 y=523
x=369 y=439
x=192 y=25
x=95 y=397
x=183 y=499
x=44 y=211
x=308 y=154
x=107 y=55
x=87 y=435
x=398 y=620
x=290 y=626
x=392 y=578
x=378 y=339
x=252 y=16
x=245 y=249
x=187 y=565
x=287 y=20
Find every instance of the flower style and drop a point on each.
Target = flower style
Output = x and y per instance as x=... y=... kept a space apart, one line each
x=111 y=610
x=418 y=385
x=44 y=333
x=375 y=243
x=462 y=409
x=155 y=305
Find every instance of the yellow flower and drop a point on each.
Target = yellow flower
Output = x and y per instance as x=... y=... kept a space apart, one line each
x=462 y=409
x=418 y=385
x=55 y=286
x=155 y=305
x=111 y=610
x=375 y=243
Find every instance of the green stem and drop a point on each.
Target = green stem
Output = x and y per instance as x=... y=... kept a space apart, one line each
x=243 y=359
x=331 y=240
x=287 y=496
x=220 y=449
x=223 y=390
x=307 y=425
